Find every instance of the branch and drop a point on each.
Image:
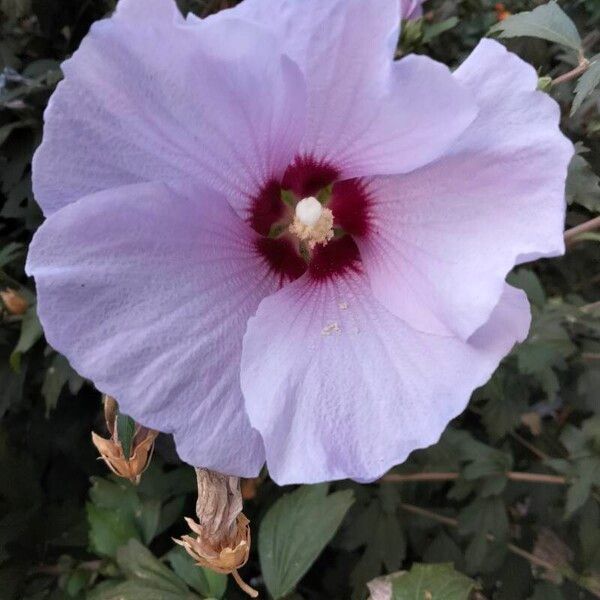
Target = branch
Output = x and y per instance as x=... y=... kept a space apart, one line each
x=580 y=69
x=573 y=74
x=451 y=476
x=533 y=449
x=572 y=234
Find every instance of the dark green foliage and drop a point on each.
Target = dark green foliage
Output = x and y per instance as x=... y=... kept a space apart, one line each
x=438 y=582
x=295 y=531
x=68 y=529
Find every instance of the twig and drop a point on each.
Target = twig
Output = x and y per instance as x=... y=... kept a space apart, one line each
x=535 y=560
x=451 y=476
x=572 y=234
x=423 y=512
x=401 y=477
x=533 y=449
x=580 y=69
x=536 y=478
x=590 y=308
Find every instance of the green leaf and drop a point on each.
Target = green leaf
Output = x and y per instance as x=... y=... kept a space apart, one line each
x=583 y=185
x=76 y=582
x=589 y=536
x=139 y=515
x=432 y=582
x=486 y=522
x=140 y=590
x=204 y=581
x=294 y=532
x=10 y=252
x=149 y=518
x=529 y=282
x=586 y=84
x=547 y=591
x=57 y=375
x=31 y=332
x=109 y=529
x=585 y=475
x=125 y=433
x=6 y=130
x=502 y=415
x=138 y=563
x=432 y=31
x=11 y=384
x=548 y=22
x=379 y=528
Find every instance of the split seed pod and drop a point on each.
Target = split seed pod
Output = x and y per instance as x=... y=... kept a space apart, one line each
x=131 y=465
x=222 y=533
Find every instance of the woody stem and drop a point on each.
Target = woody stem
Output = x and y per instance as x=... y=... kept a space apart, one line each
x=572 y=234
x=451 y=476
x=580 y=69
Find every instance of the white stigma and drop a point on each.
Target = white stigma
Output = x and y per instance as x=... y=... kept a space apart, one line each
x=312 y=224
x=308 y=211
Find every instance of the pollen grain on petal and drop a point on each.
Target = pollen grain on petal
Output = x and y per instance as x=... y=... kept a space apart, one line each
x=330 y=329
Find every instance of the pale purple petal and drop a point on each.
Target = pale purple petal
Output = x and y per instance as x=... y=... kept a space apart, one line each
x=141 y=11
x=367 y=114
x=147 y=292
x=442 y=239
x=158 y=101
x=339 y=387
x=411 y=9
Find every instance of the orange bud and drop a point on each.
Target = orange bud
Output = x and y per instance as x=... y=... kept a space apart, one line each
x=111 y=450
x=13 y=301
x=501 y=12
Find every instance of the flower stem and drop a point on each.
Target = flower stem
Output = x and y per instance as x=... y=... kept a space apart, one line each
x=243 y=585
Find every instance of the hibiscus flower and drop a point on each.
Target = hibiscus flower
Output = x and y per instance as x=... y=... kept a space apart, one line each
x=267 y=237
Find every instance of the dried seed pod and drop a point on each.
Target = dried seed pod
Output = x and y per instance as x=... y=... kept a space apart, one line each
x=222 y=533
x=136 y=461
x=14 y=303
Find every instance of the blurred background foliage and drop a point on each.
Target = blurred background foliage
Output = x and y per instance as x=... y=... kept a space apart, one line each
x=505 y=506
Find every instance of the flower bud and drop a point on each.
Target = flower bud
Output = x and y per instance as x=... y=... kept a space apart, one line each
x=128 y=463
x=222 y=533
x=544 y=84
x=14 y=303
x=501 y=12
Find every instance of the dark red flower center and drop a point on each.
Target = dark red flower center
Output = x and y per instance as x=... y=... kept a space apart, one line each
x=273 y=212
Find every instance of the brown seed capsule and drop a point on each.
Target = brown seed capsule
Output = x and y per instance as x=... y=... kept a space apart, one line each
x=14 y=303
x=111 y=450
x=222 y=533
